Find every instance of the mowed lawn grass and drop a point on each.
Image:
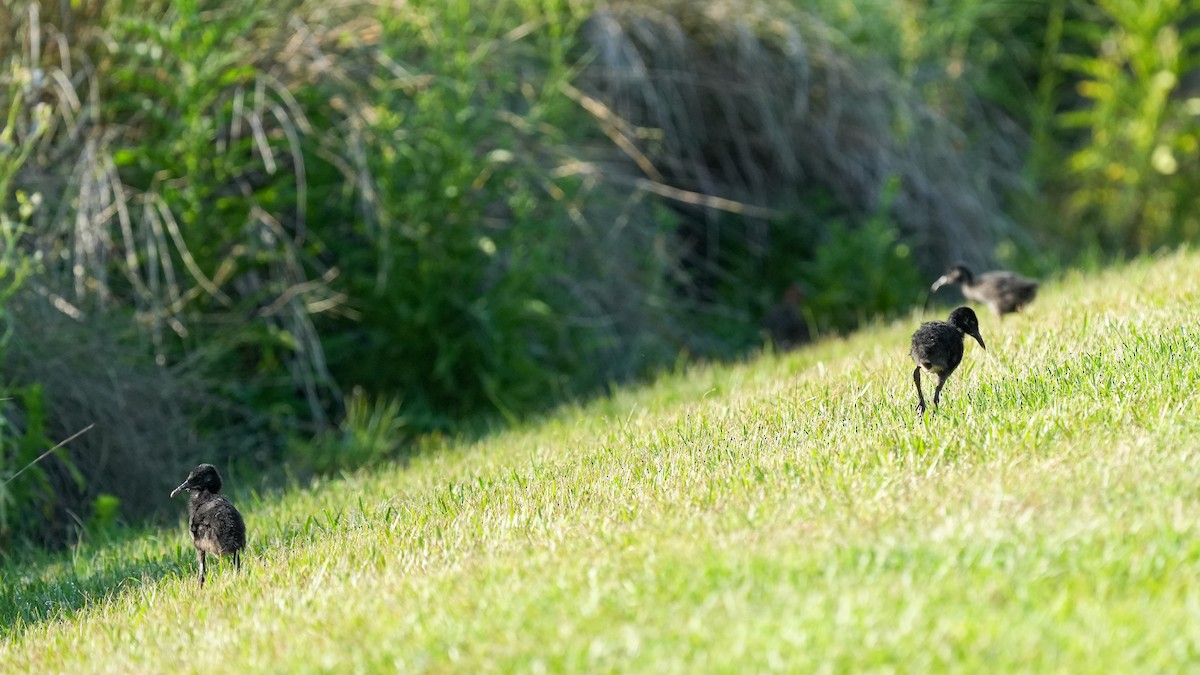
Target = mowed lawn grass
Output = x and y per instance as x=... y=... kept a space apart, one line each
x=791 y=513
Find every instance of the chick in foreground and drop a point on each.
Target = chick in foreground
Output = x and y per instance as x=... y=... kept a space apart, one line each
x=217 y=526
x=937 y=348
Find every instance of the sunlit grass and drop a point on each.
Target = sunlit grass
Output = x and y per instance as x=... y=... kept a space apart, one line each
x=791 y=513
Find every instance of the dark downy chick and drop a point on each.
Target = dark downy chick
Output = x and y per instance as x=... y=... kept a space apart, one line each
x=216 y=525
x=937 y=348
x=1004 y=292
x=784 y=323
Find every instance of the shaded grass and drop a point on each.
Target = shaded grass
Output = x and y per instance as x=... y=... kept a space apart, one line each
x=790 y=513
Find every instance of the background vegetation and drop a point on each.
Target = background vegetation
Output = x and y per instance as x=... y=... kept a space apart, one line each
x=316 y=235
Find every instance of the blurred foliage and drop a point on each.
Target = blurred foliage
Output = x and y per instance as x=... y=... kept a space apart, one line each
x=372 y=431
x=28 y=495
x=33 y=498
x=105 y=514
x=861 y=273
x=1129 y=179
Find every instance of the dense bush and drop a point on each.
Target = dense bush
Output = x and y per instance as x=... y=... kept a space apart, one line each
x=459 y=267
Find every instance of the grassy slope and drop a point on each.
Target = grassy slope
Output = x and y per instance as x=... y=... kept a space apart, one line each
x=789 y=513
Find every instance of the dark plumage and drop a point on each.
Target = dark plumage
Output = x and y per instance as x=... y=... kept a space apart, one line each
x=217 y=527
x=1004 y=292
x=937 y=348
x=784 y=323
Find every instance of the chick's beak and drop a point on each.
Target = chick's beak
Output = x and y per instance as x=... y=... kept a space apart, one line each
x=979 y=339
x=184 y=486
x=942 y=281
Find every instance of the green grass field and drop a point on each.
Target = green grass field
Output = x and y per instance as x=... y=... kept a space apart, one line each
x=789 y=514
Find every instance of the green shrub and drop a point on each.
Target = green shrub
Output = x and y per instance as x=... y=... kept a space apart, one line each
x=105 y=515
x=1129 y=180
x=371 y=431
x=463 y=286
x=857 y=273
